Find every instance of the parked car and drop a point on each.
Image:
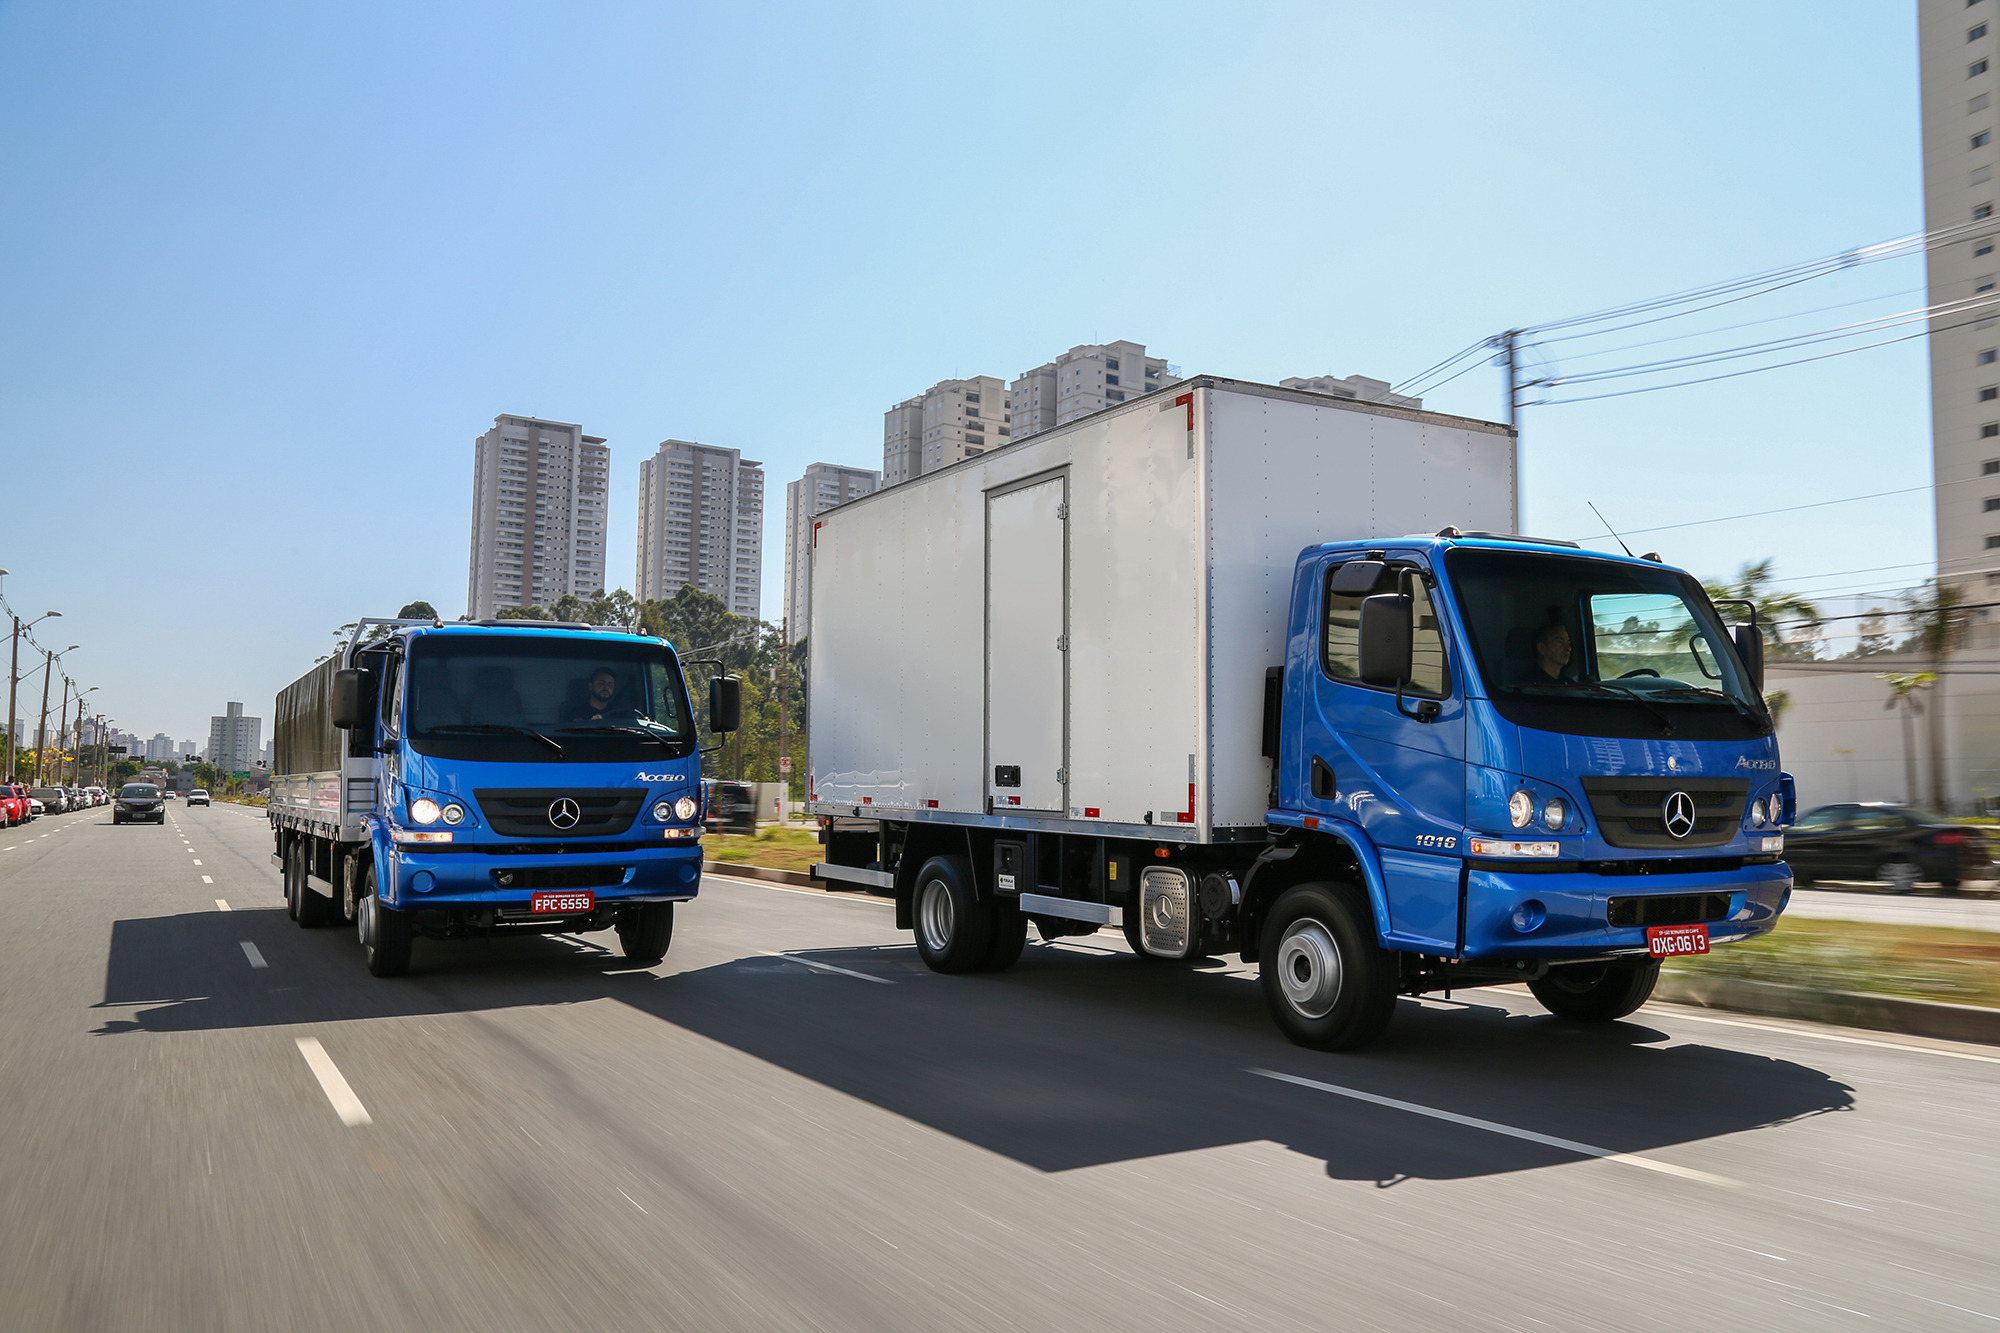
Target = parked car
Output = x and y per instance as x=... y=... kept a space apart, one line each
x=97 y=795
x=54 y=800
x=732 y=807
x=139 y=802
x=35 y=808
x=198 y=797
x=14 y=804
x=1894 y=844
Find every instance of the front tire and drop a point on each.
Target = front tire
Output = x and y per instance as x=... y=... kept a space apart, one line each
x=1327 y=982
x=954 y=929
x=1597 y=992
x=645 y=932
x=385 y=932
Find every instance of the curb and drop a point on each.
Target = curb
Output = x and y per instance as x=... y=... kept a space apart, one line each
x=1885 y=1013
x=737 y=870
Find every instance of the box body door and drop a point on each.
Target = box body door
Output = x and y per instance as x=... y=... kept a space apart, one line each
x=1027 y=647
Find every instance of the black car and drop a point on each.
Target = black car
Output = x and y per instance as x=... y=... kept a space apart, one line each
x=139 y=801
x=732 y=807
x=1874 y=840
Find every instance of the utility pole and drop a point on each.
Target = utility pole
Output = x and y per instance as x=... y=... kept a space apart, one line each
x=42 y=727
x=784 y=734
x=1510 y=359
x=62 y=730
x=13 y=683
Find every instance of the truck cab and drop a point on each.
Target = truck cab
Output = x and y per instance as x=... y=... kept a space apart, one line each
x=1540 y=763
x=498 y=778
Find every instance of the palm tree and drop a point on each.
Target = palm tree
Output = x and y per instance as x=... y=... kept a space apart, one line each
x=1903 y=687
x=1775 y=607
x=1937 y=621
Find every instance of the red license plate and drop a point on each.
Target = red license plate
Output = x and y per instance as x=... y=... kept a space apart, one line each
x=1675 y=941
x=583 y=900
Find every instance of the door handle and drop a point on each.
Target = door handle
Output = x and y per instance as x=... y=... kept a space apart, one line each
x=1323 y=786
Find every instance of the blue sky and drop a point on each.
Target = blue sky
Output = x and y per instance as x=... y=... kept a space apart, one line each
x=272 y=268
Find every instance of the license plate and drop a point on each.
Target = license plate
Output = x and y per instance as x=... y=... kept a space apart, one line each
x=584 y=901
x=1674 y=941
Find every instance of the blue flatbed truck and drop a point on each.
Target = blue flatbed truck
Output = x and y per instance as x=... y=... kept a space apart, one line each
x=1116 y=675
x=491 y=778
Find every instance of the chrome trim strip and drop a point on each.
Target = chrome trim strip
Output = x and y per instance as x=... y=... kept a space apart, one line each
x=1104 y=914
x=880 y=879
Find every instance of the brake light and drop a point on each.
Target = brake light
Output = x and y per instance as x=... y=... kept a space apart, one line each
x=1949 y=839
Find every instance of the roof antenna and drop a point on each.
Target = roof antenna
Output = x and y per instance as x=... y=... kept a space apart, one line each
x=1608 y=528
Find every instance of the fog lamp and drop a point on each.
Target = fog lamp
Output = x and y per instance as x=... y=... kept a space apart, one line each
x=663 y=811
x=454 y=813
x=1555 y=812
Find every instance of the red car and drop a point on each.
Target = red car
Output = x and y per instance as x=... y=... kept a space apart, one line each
x=14 y=804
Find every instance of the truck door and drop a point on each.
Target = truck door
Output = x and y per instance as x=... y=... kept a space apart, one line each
x=1379 y=763
x=1027 y=647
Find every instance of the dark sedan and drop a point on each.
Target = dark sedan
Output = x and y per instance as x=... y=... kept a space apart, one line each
x=1892 y=844
x=732 y=807
x=139 y=801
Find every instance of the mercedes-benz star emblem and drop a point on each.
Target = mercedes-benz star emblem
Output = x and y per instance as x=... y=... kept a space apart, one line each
x=1677 y=812
x=564 y=813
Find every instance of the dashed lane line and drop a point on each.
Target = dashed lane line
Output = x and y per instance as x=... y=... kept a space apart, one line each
x=345 y=1104
x=206 y=880
x=196 y=861
x=222 y=905
x=250 y=951
x=826 y=967
x=1493 y=1127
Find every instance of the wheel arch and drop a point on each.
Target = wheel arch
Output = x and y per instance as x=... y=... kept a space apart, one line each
x=1301 y=856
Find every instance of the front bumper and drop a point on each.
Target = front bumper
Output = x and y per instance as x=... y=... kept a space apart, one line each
x=472 y=877
x=1573 y=909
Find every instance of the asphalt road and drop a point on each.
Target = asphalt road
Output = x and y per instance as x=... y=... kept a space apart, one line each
x=214 y=1120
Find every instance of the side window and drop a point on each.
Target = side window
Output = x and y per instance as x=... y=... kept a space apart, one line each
x=392 y=692
x=1819 y=821
x=1340 y=640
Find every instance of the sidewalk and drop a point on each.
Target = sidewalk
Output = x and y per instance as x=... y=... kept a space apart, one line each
x=1895 y=909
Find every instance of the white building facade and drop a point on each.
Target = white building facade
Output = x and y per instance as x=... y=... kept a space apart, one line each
x=823 y=486
x=233 y=741
x=538 y=515
x=701 y=521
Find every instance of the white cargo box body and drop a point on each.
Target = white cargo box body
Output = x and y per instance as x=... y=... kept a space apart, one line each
x=1072 y=632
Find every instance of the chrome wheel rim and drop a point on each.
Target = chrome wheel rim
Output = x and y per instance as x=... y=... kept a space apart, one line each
x=1309 y=972
x=1899 y=874
x=934 y=916
x=361 y=920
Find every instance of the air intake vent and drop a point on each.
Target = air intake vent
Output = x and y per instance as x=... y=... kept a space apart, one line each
x=1671 y=909
x=598 y=812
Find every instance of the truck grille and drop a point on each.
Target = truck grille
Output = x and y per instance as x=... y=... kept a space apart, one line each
x=525 y=814
x=1671 y=909
x=1629 y=810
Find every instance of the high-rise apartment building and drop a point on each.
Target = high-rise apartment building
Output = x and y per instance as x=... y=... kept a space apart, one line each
x=1358 y=387
x=233 y=745
x=160 y=748
x=1083 y=380
x=953 y=419
x=701 y=522
x=823 y=486
x=538 y=497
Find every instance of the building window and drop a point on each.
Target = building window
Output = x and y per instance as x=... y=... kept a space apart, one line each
x=1978 y=31
x=1990 y=468
x=1981 y=139
x=1975 y=69
x=1988 y=394
x=1110 y=364
x=1982 y=212
x=972 y=398
x=1989 y=431
x=1988 y=357
x=1993 y=543
x=1110 y=379
x=1115 y=395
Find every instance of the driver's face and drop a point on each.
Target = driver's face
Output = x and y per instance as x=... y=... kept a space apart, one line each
x=1555 y=651
x=602 y=686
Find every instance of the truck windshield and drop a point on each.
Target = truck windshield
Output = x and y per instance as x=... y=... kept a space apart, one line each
x=1601 y=648
x=545 y=699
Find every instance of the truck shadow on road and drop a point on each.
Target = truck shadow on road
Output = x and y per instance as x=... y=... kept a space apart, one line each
x=1069 y=1060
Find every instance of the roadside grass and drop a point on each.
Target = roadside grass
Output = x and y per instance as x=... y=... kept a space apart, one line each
x=1914 y=962
x=774 y=847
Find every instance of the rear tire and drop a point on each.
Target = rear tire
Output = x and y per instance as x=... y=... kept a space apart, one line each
x=1327 y=982
x=289 y=874
x=307 y=908
x=645 y=932
x=385 y=933
x=954 y=929
x=1597 y=993
x=1010 y=936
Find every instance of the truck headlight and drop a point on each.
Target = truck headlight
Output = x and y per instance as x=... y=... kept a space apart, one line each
x=1556 y=812
x=424 y=810
x=1777 y=808
x=454 y=813
x=663 y=811
x=1520 y=808
x=685 y=807
x=1756 y=814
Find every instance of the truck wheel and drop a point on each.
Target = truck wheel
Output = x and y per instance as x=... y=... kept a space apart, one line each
x=290 y=875
x=954 y=929
x=1597 y=992
x=1327 y=982
x=303 y=905
x=385 y=933
x=645 y=932
x=1010 y=936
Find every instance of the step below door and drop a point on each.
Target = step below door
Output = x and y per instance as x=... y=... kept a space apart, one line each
x=1027 y=648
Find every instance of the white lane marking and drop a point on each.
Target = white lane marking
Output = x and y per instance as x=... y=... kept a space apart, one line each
x=1493 y=1127
x=9 y=849
x=197 y=861
x=221 y=905
x=206 y=880
x=826 y=967
x=634 y=1202
x=250 y=952
x=1826 y=1036
x=345 y=1104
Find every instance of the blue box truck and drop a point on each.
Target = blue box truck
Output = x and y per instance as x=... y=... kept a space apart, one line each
x=1243 y=668
x=491 y=778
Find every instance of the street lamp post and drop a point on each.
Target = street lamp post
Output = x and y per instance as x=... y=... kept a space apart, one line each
x=42 y=727
x=13 y=684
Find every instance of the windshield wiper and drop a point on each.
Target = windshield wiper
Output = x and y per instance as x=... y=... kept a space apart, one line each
x=1666 y=723
x=492 y=726
x=660 y=737
x=1708 y=692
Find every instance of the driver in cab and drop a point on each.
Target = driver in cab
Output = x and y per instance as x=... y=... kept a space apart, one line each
x=1552 y=653
x=597 y=703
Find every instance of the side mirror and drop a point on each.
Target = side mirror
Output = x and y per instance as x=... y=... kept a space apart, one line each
x=349 y=689
x=725 y=703
x=1385 y=639
x=1750 y=647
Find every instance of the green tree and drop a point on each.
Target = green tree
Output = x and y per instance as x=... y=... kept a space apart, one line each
x=1937 y=617
x=1903 y=687
x=1790 y=622
x=523 y=613
x=123 y=771
x=418 y=611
